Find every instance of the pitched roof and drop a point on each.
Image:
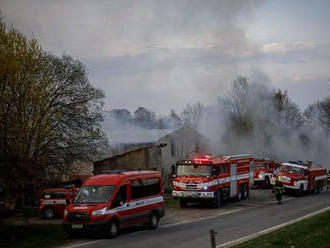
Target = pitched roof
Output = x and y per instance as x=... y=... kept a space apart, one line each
x=137 y=136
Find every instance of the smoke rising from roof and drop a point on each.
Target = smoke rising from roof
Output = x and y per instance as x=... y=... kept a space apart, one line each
x=255 y=118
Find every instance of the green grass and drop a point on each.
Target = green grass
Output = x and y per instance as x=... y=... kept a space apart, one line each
x=170 y=202
x=36 y=236
x=313 y=232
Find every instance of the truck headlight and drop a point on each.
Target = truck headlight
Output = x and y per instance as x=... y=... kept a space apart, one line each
x=261 y=175
x=99 y=212
x=295 y=183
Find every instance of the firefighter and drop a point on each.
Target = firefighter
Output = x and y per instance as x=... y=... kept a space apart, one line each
x=328 y=180
x=279 y=190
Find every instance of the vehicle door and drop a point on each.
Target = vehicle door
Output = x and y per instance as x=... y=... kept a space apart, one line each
x=121 y=206
x=57 y=200
x=144 y=197
x=233 y=180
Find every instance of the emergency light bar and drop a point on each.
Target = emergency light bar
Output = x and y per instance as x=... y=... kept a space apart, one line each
x=202 y=159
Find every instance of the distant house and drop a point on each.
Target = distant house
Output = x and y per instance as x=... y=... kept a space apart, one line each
x=151 y=149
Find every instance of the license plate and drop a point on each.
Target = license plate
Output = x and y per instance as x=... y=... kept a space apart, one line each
x=77 y=226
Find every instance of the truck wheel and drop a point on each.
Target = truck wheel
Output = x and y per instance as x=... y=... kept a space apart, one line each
x=318 y=189
x=49 y=213
x=153 y=221
x=183 y=203
x=301 y=189
x=245 y=191
x=267 y=183
x=113 y=229
x=218 y=199
x=239 y=194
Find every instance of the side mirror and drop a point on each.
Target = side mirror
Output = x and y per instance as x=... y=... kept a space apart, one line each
x=67 y=202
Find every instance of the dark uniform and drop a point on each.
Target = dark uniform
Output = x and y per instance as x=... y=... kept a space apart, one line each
x=328 y=180
x=279 y=190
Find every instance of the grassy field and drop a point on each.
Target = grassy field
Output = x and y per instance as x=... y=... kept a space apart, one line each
x=313 y=232
x=37 y=236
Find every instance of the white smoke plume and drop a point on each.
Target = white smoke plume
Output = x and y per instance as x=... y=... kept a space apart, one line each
x=255 y=118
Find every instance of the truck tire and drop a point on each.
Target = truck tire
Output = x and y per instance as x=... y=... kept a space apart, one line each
x=301 y=189
x=245 y=192
x=267 y=183
x=240 y=193
x=113 y=229
x=153 y=221
x=183 y=203
x=318 y=188
x=49 y=213
x=218 y=198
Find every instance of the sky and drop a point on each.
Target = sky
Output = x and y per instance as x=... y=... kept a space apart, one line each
x=163 y=54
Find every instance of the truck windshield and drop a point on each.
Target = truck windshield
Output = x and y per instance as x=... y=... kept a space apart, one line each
x=292 y=169
x=191 y=170
x=94 y=194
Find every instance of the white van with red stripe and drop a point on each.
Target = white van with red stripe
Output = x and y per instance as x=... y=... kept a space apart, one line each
x=108 y=202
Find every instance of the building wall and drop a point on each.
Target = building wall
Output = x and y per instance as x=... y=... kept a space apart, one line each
x=143 y=158
x=162 y=156
x=183 y=143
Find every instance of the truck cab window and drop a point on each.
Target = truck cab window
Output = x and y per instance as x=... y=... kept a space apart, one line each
x=224 y=168
x=215 y=170
x=120 y=198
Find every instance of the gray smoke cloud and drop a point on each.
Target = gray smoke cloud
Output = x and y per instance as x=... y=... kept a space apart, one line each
x=246 y=120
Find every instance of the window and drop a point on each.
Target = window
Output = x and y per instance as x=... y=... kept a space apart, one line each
x=173 y=169
x=215 y=170
x=224 y=168
x=120 y=198
x=95 y=194
x=55 y=195
x=194 y=170
x=172 y=149
x=145 y=187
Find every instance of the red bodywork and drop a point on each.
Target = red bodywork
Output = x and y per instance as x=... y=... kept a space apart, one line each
x=301 y=177
x=228 y=175
x=55 y=198
x=82 y=217
x=264 y=170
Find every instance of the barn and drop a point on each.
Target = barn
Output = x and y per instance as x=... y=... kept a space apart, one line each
x=151 y=149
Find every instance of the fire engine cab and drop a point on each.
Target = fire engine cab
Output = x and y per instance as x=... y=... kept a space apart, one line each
x=213 y=179
x=264 y=170
x=298 y=177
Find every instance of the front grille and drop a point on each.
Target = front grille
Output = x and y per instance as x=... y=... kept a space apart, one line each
x=191 y=186
x=78 y=216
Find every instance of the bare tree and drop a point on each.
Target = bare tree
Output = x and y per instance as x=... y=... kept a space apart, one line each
x=192 y=114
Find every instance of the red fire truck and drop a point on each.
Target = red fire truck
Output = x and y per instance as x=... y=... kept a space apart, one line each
x=301 y=177
x=264 y=170
x=115 y=200
x=213 y=179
